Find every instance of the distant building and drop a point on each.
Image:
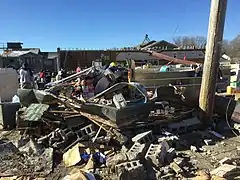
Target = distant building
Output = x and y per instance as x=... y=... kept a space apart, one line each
x=164 y=47
x=70 y=59
x=14 y=55
x=15 y=58
x=50 y=60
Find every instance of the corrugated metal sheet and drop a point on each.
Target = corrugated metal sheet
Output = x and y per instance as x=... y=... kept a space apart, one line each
x=21 y=52
x=34 y=112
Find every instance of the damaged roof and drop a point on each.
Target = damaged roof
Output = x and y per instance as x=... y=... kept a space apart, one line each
x=21 y=52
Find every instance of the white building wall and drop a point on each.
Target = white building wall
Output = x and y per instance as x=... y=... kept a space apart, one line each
x=8 y=84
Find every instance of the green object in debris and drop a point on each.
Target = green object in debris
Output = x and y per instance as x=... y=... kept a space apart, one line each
x=235 y=84
x=34 y=112
x=164 y=69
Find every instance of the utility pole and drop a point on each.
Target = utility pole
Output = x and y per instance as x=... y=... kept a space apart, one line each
x=211 y=62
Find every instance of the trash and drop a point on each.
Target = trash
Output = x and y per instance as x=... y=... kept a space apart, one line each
x=176 y=168
x=85 y=156
x=90 y=163
x=208 y=142
x=15 y=99
x=99 y=158
x=217 y=134
x=193 y=148
x=72 y=156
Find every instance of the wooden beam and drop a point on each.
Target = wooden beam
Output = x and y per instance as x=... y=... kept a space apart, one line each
x=212 y=57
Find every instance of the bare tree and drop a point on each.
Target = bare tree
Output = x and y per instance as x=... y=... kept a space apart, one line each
x=196 y=41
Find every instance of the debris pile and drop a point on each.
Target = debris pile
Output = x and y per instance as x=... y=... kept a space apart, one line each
x=120 y=133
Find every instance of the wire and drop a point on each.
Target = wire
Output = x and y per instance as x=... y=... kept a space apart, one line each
x=227 y=120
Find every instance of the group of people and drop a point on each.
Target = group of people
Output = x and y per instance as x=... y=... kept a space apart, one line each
x=83 y=88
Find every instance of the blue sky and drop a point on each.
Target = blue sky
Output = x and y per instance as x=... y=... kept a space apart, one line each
x=49 y=24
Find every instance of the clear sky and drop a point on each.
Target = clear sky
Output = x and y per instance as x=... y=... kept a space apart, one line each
x=49 y=24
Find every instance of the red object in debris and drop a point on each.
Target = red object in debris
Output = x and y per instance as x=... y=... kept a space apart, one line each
x=184 y=58
x=42 y=75
x=78 y=69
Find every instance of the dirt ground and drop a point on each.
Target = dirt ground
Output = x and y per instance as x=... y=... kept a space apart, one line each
x=207 y=157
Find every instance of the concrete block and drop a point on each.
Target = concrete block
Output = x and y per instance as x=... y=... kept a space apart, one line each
x=224 y=170
x=131 y=170
x=156 y=154
x=119 y=101
x=171 y=140
x=184 y=126
x=88 y=130
x=142 y=138
x=137 y=151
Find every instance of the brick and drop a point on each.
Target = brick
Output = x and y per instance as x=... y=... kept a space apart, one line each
x=156 y=154
x=142 y=138
x=137 y=151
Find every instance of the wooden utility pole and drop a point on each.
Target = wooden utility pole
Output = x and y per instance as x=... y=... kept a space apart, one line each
x=212 y=58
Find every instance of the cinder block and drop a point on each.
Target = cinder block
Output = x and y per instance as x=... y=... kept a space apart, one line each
x=131 y=170
x=88 y=130
x=184 y=126
x=144 y=138
x=119 y=101
x=137 y=151
x=156 y=154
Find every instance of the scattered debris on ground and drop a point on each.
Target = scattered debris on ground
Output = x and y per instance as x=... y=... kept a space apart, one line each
x=120 y=133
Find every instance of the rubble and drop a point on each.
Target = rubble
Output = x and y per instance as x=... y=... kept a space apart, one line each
x=142 y=138
x=137 y=151
x=118 y=133
x=224 y=170
x=156 y=154
x=131 y=170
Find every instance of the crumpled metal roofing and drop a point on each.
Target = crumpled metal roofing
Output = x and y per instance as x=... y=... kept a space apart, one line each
x=20 y=53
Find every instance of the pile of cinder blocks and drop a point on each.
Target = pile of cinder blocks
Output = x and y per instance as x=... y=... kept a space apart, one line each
x=144 y=152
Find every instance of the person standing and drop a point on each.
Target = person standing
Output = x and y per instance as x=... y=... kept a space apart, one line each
x=26 y=77
x=131 y=70
x=42 y=76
